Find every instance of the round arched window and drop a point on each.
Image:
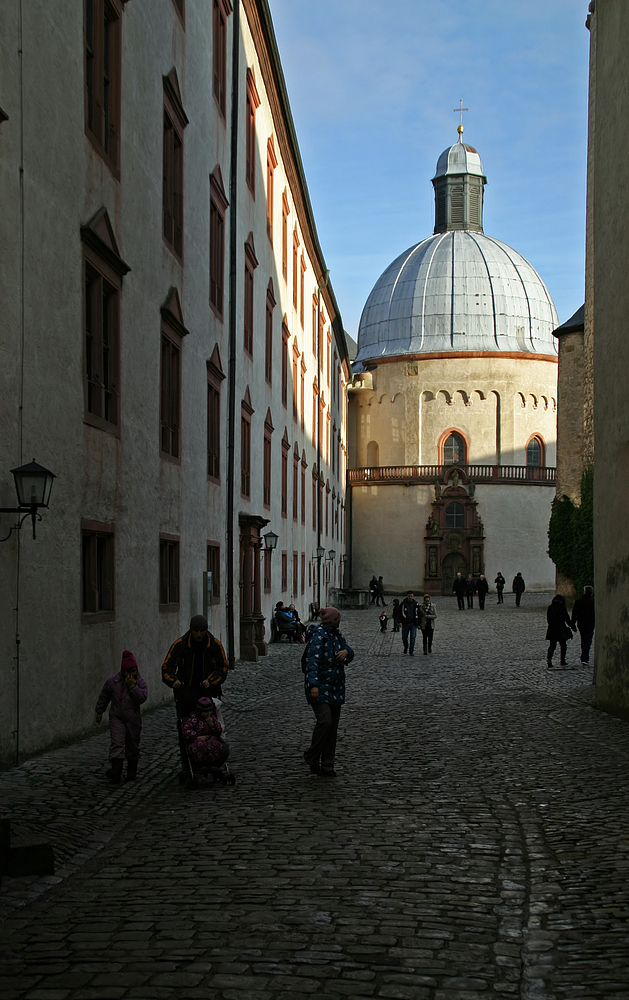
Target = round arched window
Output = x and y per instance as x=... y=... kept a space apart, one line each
x=455 y=515
x=454 y=450
x=534 y=453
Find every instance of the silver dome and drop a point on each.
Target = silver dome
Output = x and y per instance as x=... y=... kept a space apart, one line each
x=457 y=291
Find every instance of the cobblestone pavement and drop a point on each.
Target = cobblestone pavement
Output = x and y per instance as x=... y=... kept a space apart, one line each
x=475 y=843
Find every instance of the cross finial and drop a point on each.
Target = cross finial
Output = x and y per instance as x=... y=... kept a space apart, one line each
x=460 y=128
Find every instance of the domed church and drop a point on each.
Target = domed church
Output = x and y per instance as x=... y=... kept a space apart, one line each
x=452 y=414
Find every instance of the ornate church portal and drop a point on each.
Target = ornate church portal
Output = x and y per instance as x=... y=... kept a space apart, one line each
x=454 y=537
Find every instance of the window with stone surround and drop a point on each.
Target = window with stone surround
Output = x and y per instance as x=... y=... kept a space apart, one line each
x=175 y=121
x=102 y=37
x=97 y=571
x=168 y=572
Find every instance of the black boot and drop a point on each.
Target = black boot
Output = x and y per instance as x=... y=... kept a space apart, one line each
x=115 y=771
x=132 y=770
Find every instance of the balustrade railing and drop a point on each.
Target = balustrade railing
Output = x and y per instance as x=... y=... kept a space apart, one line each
x=524 y=474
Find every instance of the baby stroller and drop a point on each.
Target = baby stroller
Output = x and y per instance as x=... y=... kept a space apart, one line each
x=193 y=772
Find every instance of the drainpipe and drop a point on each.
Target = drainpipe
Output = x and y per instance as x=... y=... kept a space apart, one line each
x=231 y=376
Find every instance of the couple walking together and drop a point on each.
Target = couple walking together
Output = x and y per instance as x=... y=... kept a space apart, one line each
x=414 y=615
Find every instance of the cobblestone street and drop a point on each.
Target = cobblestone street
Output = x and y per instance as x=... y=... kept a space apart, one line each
x=475 y=843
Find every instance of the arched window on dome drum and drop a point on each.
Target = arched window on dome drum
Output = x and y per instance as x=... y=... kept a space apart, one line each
x=455 y=515
x=454 y=450
x=534 y=453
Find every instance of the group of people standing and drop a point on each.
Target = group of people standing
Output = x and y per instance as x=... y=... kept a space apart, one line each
x=376 y=591
x=466 y=588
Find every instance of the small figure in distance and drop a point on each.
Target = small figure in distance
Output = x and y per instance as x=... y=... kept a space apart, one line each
x=470 y=589
x=518 y=588
x=500 y=586
x=559 y=628
x=583 y=619
x=427 y=615
x=395 y=614
x=380 y=592
x=373 y=589
x=459 y=587
x=482 y=589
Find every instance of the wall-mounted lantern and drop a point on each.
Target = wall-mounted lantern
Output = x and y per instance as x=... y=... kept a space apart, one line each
x=33 y=484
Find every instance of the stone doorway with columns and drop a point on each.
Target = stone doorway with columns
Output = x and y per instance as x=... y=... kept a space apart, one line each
x=454 y=536
x=252 y=633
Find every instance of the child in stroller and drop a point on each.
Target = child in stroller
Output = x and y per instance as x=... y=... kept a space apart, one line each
x=203 y=751
x=383 y=619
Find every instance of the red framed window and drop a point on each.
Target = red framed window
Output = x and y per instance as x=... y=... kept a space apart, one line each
x=267 y=460
x=218 y=208
x=246 y=412
x=314 y=500
x=214 y=567
x=168 y=572
x=170 y=398
x=101 y=345
x=302 y=281
x=102 y=38
x=285 y=339
x=271 y=163
x=314 y=325
x=295 y=266
x=252 y=104
x=97 y=571
x=295 y=573
x=453 y=449
x=267 y=571
x=268 y=339
x=302 y=393
x=285 y=451
x=284 y=572
x=295 y=381
x=220 y=12
x=175 y=121
x=215 y=376
x=304 y=466
x=295 y=483
x=535 y=452
x=303 y=573
x=285 y=214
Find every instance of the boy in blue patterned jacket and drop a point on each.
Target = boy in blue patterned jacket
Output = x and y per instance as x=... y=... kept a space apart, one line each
x=325 y=657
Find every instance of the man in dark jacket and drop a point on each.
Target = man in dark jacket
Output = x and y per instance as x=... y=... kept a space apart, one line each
x=470 y=590
x=559 y=628
x=195 y=666
x=482 y=589
x=583 y=619
x=459 y=587
x=326 y=655
x=409 y=616
x=518 y=586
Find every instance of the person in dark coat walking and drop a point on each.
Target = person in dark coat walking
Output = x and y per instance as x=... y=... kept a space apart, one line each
x=470 y=590
x=395 y=615
x=482 y=589
x=124 y=692
x=195 y=666
x=373 y=589
x=583 y=619
x=459 y=587
x=559 y=628
x=518 y=588
x=409 y=614
x=427 y=614
x=500 y=586
x=326 y=656
x=380 y=592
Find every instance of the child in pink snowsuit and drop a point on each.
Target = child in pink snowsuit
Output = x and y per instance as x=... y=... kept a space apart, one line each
x=124 y=692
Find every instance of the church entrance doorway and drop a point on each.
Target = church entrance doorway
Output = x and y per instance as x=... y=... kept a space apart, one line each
x=452 y=564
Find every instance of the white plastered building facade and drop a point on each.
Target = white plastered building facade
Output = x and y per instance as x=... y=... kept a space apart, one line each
x=453 y=408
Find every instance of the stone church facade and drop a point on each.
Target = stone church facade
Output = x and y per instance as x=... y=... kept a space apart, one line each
x=453 y=406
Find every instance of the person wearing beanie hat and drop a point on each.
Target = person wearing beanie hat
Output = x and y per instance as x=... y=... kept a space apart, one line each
x=195 y=666
x=124 y=692
x=326 y=654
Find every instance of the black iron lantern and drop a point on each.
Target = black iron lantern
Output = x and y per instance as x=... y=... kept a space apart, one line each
x=33 y=484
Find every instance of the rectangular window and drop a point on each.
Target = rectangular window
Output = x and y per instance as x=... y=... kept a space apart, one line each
x=284 y=480
x=213 y=429
x=271 y=163
x=252 y=103
x=301 y=290
x=284 y=572
x=219 y=54
x=102 y=50
x=214 y=567
x=218 y=207
x=303 y=573
x=303 y=493
x=268 y=346
x=285 y=337
x=295 y=266
x=295 y=486
x=172 y=204
x=295 y=573
x=302 y=394
x=267 y=571
x=267 y=471
x=295 y=383
x=168 y=571
x=101 y=340
x=97 y=570
x=245 y=455
x=314 y=503
x=285 y=213
x=248 y=321
x=314 y=325
x=314 y=414
x=170 y=397
x=327 y=511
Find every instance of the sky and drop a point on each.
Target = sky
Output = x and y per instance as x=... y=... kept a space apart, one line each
x=372 y=87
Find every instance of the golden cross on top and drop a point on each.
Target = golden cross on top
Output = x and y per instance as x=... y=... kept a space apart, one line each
x=460 y=109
